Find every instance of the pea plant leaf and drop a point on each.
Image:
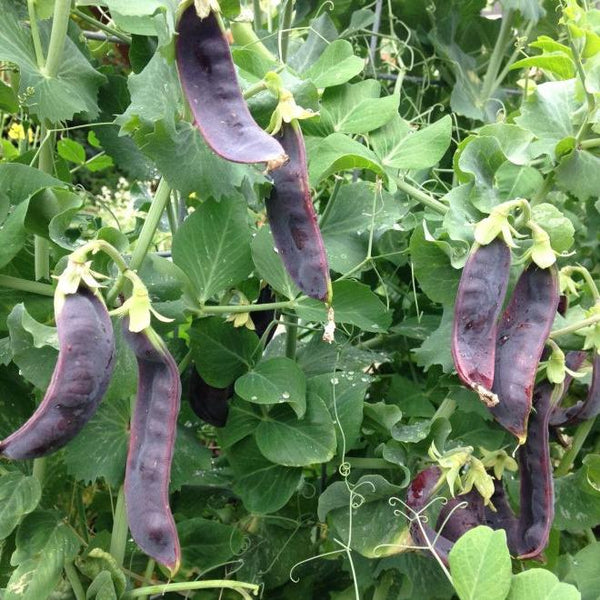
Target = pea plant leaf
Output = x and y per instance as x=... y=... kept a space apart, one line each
x=213 y=247
x=539 y=584
x=336 y=65
x=480 y=565
x=19 y=495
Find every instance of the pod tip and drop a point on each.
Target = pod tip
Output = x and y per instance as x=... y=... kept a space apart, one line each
x=486 y=396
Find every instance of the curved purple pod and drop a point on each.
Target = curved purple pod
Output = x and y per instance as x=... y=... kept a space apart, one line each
x=503 y=517
x=80 y=378
x=151 y=445
x=584 y=409
x=522 y=333
x=537 y=485
x=455 y=520
x=211 y=87
x=293 y=221
x=479 y=301
x=560 y=416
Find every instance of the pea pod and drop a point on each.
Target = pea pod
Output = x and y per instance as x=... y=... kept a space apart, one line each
x=479 y=301
x=151 y=445
x=293 y=220
x=80 y=378
x=210 y=85
x=522 y=333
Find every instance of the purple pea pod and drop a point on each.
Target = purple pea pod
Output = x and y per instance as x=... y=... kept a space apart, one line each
x=151 y=445
x=479 y=301
x=584 y=409
x=80 y=379
x=537 y=485
x=211 y=87
x=454 y=520
x=522 y=333
x=293 y=221
x=503 y=517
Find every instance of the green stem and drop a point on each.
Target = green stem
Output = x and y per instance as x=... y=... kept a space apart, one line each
x=190 y=585
x=172 y=215
x=284 y=30
x=575 y=326
x=257 y=15
x=445 y=409
x=118 y=538
x=33 y=287
x=255 y=89
x=497 y=56
x=74 y=580
x=591 y=143
x=81 y=513
x=42 y=245
x=243 y=308
x=35 y=34
x=587 y=276
x=161 y=197
x=185 y=362
x=512 y=59
x=39 y=469
x=291 y=335
x=571 y=454
x=377 y=464
x=591 y=101
x=330 y=203
x=99 y=25
x=60 y=24
x=245 y=36
x=422 y=197
x=148 y=575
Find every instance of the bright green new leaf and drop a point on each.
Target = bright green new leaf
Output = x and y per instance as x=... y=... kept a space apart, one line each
x=335 y=66
x=540 y=584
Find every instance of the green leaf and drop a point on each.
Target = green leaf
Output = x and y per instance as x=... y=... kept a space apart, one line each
x=99 y=163
x=433 y=269
x=74 y=88
x=547 y=114
x=515 y=181
x=212 y=247
x=514 y=141
x=269 y=264
x=357 y=108
x=274 y=381
x=97 y=561
x=556 y=63
x=337 y=152
x=19 y=495
x=584 y=570
x=8 y=99
x=71 y=151
x=189 y=458
x=242 y=421
x=435 y=350
x=577 y=503
x=411 y=434
x=263 y=486
x=358 y=208
x=540 y=584
x=576 y=174
x=343 y=393
x=221 y=351
x=206 y=544
x=559 y=228
x=532 y=10
x=335 y=66
x=373 y=520
x=285 y=440
x=44 y=543
x=321 y=32
x=102 y=587
x=480 y=565
x=399 y=147
x=354 y=303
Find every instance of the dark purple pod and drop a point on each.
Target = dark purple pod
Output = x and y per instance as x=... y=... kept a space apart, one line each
x=503 y=517
x=80 y=378
x=563 y=305
x=454 y=520
x=209 y=403
x=479 y=301
x=537 y=486
x=151 y=444
x=293 y=220
x=584 y=409
x=522 y=333
x=211 y=87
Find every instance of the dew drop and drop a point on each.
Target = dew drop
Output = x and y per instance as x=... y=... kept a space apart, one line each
x=285 y=395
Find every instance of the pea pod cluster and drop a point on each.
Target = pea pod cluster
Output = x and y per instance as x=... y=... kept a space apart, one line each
x=80 y=378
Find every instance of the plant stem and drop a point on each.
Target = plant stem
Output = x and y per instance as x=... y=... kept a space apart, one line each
x=185 y=362
x=161 y=197
x=148 y=575
x=255 y=89
x=35 y=34
x=422 y=197
x=60 y=24
x=41 y=245
x=243 y=308
x=591 y=101
x=587 y=276
x=74 y=580
x=512 y=59
x=39 y=469
x=245 y=36
x=445 y=409
x=190 y=585
x=497 y=56
x=291 y=335
x=33 y=287
x=330 y=203
x=118 y=538
x=374 y=32
x=571 y=454
x=284 y=30
x=99 y=25
x=591 y=143
x=257 y=15
x=575 y=326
